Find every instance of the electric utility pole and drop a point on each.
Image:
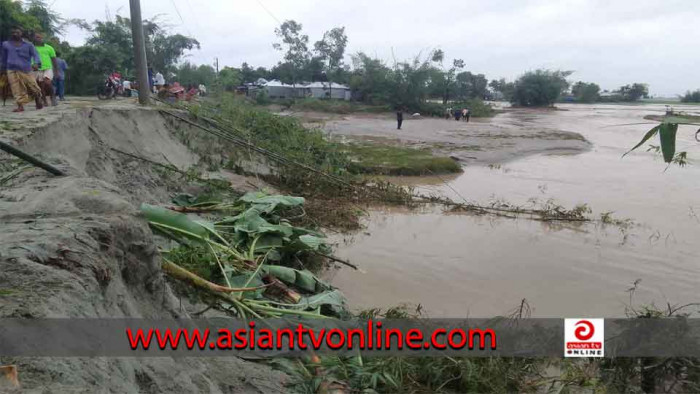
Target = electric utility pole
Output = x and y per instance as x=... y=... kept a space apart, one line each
x=139 y=51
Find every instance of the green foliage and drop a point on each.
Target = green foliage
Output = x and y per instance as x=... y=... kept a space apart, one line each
x=190 y=74
x=503 y=90
x=633 y=92
x=667 y=138
x=471 y=86
x=540 y=88
x=331 y=49
x=229 y=78
x=280 y=134
x=109 y=48
x=691 y=97
x=296 y=45
x=585 y=92
x=261 y=98
x=36 y=17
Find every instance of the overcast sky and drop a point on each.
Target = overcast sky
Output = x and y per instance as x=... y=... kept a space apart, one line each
x=610 y=42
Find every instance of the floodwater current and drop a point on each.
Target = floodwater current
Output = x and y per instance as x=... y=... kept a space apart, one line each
x=457 y=265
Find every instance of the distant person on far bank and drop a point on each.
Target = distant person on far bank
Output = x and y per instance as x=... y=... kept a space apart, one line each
x=17 y=58
x=448 y=113
x=399 y=118
x=47 y=70
x=59 y=80
x=159 y=81
x=202 y=90
x=465 y=114
x=458 y=114
x=126 y=85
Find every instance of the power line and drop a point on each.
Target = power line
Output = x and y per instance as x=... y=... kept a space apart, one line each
x=180 y=15
x=268 y=12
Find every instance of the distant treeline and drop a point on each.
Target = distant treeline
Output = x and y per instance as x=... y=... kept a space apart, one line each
x=417 y=84
x=691 y=97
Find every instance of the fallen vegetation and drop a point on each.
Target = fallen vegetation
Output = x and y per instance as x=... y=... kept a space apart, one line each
x=244 y=258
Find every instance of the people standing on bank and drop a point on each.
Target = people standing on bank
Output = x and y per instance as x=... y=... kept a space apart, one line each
x=458 y=114
x=44 y=75
x=466 y=114
x=16 y=59
x=59 y=80
x=159 y=81
x=399 y=118
x=448 y=113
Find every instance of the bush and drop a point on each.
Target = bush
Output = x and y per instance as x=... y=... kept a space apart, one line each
x=261 y=97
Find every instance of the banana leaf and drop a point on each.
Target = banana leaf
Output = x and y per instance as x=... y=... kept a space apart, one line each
x=646 y=137
x=242 y=281
x=667 y=137
x=332 y=299
x=267 y=204
x=172 y=222
x=309 y=242
x=304 y=280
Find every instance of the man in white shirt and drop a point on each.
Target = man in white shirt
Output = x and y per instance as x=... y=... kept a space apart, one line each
x=127 y=88
x=159 y=80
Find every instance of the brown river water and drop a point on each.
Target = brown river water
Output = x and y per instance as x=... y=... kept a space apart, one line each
x=457 y=265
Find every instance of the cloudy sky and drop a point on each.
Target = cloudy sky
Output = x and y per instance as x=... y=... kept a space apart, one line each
x=610 y=42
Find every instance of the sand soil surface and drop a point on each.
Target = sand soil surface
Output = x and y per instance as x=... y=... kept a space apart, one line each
x=512 y=134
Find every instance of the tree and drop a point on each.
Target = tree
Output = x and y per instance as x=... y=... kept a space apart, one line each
x=540 y=88
x=443 y=83
x=297 y=51
x=370 y=79
x=229 y=78
x=190 y=74
x=470 y=86
x=585 y=92
x=691 y=97
x=12 y=14
x=506 y=89
x=331 y=49
x=634 y=92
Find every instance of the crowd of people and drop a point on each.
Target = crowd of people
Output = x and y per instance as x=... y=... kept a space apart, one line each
x=31 y=70
x=459 y=114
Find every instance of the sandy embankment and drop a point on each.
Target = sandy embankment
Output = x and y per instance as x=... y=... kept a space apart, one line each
x=76 y=247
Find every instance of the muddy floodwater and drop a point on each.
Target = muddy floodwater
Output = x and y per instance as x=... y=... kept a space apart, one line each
x=464 y=265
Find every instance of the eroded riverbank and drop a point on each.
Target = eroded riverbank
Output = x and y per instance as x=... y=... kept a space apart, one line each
x=458 y=265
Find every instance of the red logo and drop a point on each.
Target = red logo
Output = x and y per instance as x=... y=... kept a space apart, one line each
x=584 y=330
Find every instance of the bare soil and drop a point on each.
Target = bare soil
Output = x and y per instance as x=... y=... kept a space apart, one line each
x=75 y=246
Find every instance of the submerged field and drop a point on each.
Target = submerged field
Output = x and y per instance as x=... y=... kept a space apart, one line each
x=466 y=265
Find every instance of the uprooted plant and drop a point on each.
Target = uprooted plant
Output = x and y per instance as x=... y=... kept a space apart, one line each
x=245 y=257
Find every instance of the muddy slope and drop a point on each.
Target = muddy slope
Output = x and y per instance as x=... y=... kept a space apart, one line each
x=75 y=246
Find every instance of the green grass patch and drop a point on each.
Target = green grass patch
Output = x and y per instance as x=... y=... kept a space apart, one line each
x=384 y=159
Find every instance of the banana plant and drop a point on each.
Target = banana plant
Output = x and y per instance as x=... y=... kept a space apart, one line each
x=667 y=130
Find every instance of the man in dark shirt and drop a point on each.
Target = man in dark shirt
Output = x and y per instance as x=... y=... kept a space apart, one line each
x=16 y=57
x=59 y=80
x=399 y=117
